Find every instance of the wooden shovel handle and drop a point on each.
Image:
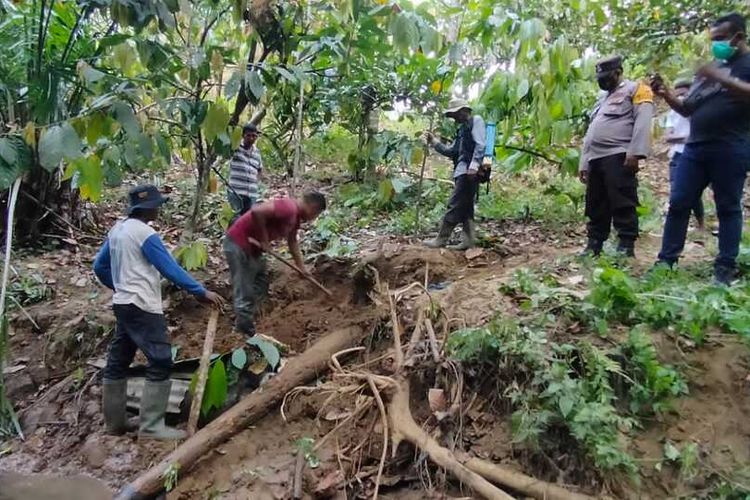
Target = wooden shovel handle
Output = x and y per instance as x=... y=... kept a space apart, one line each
x=293 y=266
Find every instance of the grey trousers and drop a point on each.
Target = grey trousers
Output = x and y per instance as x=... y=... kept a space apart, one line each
x=249 y=285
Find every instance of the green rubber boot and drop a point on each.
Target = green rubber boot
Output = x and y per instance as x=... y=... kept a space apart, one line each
x=468 y=237
x=114 y=400
x=443 y=236
x=153 y=408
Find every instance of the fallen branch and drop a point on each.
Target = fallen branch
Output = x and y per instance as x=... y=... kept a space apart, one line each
x=299 y=467
x=309 y=365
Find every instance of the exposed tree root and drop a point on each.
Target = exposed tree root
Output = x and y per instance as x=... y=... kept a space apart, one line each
x=520 y=482
x=472 y=472
x=403 y=427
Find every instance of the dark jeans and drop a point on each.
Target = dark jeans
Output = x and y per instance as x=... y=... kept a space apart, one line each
x=138 y=329
x=249 y=284
x=723 y=165
x=461 y=203
x=611 y=199
x=698 y=210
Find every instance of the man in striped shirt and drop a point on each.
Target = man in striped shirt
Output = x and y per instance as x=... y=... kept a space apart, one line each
x=244 y=172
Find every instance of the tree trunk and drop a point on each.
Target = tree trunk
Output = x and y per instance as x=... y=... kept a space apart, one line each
x=306 y=367
x=42 y=204
x=201 y=185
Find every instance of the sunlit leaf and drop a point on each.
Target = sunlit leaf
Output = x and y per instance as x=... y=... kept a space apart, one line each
x=239 y=358
x=90 y=177
x=192 y=256
x=405 y=32
x=58 y=142
x=216 y=121
x=124 y=57
x=269 y=350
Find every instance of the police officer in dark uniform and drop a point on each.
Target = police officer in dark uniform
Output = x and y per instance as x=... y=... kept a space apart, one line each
x=618 y=137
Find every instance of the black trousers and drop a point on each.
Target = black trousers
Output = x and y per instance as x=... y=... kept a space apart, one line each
x=137 y=329
x=611 y=199
x=461 y=203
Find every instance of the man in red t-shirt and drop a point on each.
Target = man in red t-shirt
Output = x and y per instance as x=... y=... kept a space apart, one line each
x=272 y=220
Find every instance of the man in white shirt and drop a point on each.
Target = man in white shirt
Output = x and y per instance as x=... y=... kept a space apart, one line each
x=467 y=153
x=678 y=131
x=131 y=262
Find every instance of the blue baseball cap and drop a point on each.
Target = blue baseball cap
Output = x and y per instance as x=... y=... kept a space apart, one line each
x=145 y=196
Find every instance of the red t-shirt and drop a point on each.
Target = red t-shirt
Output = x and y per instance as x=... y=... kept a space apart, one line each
x=285 y=219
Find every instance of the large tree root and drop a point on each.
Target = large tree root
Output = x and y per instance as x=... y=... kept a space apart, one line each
x=472 y=472
x=403 y=427
x=300 y=370
x=521 y=482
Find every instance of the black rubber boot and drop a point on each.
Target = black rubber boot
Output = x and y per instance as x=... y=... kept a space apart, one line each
x=626 y=248
x=724 y=275
x=593 y=248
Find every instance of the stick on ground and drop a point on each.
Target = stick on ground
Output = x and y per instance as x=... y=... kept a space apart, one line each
x=200 y=386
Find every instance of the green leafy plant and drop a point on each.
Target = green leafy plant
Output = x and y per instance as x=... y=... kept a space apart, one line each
x=193 y=255
x=653 y=385
x=306 y=446
x=217 y=386
x=614 y=293
x=686 y=458
x=9 y=425
x=29 y=289
x=268 y=349
x=170 y=476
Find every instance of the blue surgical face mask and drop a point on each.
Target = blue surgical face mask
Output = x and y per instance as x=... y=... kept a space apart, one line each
x=723 y=50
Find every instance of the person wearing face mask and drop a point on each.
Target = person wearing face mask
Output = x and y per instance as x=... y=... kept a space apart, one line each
x=678 y=131
x=618 y=137
x=718 y=148
x=467 y=153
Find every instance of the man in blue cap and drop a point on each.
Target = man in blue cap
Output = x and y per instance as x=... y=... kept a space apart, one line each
x=131 y=263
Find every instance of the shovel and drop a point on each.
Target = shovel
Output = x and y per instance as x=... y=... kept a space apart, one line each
x=293 y=266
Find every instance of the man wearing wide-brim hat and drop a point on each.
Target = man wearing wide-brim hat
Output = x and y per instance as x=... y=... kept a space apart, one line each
x=467 y=152
x=618 y=137
x=131 y=263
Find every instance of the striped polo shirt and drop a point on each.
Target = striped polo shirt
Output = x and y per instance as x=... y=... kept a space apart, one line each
x=244 y=168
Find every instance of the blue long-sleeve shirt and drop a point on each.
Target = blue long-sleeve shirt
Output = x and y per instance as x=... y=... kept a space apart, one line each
x=132 y=261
